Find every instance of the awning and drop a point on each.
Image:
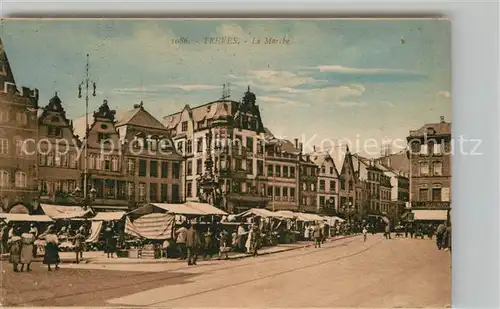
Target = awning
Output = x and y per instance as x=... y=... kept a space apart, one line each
x=286 y=214
x=207 y=208
x=65 y=212
x=385 y=219
x=260 y=212
x=308 y=217
x=331 y=220
x=178 y=209
x=431 y=215
x=25 y=217
x=109 y=216
x=151 y=226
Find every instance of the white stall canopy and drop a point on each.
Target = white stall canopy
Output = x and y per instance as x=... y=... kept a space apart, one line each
x=431 y=215
x=24 y=218
x=109 y=216
x=260 y=212
x=65 y=212
x=207 y=208
x=187 y=209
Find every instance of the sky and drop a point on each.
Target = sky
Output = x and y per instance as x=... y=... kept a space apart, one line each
x=343 y=79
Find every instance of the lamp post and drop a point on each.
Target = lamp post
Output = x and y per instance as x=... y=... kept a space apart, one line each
x=87 y=199
x=86 y=82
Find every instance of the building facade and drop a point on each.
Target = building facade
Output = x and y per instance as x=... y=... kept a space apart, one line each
x=59 y=154
x=308 y=181
x=430 y=173
x=18 y=138
x=151 y=164
x=328 y=182
x=348 y=179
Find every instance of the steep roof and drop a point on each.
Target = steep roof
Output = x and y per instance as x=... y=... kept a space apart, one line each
x=5 y=70
x=209 y=111
x=338 y=155
x=138 y=116
x=440 y=128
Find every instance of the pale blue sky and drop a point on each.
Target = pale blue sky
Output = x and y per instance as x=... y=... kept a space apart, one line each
x=337 y=78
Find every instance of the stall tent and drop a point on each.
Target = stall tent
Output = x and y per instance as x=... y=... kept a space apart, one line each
x=260 y=212
x=151 y=226
x=65 y=212
x=98 y=220
x=24 y=218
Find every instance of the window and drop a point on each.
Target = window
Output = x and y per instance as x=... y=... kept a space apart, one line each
x=180 y=147
x=438 y=168
x=436 y=194
x=292 y=172
x=21 y=180
x=184 y=125
x=4 y=146
x=153 y=169
x=437 y=148
x=424 y=168
x=189 y=167
x=4 y=115
x=164 y=169
x=260 y=168
x=176 y=169
x=270 y=191
x=249 y=166
x=189 y=189
x=313 y=187
x=199 y=145
x=142 y=168
x=424 y=149
x=285 y=193
x=42 y=159
x=322 y=201
x=249 y=144
x=189 y=146
x=163 y=193
x=292 y=194
x=285 y=171
x=54 y=131
x=107 y=163
x=253 y=124
x=64 y=160
x=22 y=118
x=4 y=179
x=333 y=185
x=278 y=170
x=142 y=191
x=199 y=167
x=239 y=164
x=114 y=164
x=131 y=167
x=304 y=187
x=270 y=170
x=175 y=193
x=153 y=192
x=130 y=190
x=331 y=170
x=122 y=189
x=322 y=185
x=277 y=192
x=422 y=194
x=323 y=169
x=200 y=124
x=109 y=188
x=342 y=184
x=351 y=185
x=57 y=160
x=102 y=137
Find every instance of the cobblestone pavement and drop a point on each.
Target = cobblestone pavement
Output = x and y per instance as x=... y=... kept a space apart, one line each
x=344 y=273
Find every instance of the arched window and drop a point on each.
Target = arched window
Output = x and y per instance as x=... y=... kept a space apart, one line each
x=4 y=179
x=4 y=146
x=21 y=180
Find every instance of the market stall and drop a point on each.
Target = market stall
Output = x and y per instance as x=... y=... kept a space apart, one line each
x=60 y=212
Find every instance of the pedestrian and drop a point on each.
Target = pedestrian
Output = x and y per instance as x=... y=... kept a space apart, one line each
x=306 y=233
x=51 y=256
x=255 y=240
x=28 y=245
x=181 y=241
x=317 y=235
x=234 y=241
x=223 y=244
x=110 y=241
x=406 y=230
x=15 y=246
x=241 y=238
x=5 y=237
x=412 y=230
x=165 y=246
x=387 y=233
x=207 y=244
x=365 y=233
x=440 y=231
x=192 y=244
x=79 y=241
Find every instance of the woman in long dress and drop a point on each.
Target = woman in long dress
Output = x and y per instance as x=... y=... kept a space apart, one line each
x=51 y=256
x=28 y=241
x=15 y=246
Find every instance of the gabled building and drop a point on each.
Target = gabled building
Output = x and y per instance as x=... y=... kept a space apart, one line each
x=347 y=177
x=59 y=155
x=430 y=170
x=328 y=181
x=400 y=194
x=152 y=166
x=308 y=182
x=104 y=160
x=18 y=138
x=235 y=129
x=281 y=173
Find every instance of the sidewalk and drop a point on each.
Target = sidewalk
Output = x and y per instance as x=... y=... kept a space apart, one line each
x=99 y=257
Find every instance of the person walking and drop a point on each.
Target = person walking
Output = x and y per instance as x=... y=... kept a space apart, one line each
x=15 y=246
x=51 y=256
x=223 y=244
x=28 y=243
x=317 y=235
x=192 y=244
x=79 y=241
x=207 y=244
x=181 y=241
x=387 y=233
x=365 y=233
x=111 y=241
x=440 y=231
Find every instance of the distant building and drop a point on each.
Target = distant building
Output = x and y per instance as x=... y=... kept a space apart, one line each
x=396 y=161
x=151 y=164
x=308 y=182
x=18 y=160
x=58 y=155
x=430 y=161
x=348 y=178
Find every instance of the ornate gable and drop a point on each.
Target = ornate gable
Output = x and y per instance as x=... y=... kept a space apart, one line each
x=105 y=112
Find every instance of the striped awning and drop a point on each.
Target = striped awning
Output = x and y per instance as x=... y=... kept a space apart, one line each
x=431 y=215
x=152 y=226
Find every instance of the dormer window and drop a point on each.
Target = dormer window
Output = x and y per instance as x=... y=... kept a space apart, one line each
x=54 y=131
x=104 y=126
x=103 y=137
x=54 y=119
x=430 y=131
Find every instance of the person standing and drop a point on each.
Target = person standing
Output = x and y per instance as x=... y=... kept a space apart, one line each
x=79 y=241
x=51 y=256
x=207 y=249
x=317 y=235
x=387 y=233
x=223 y=244
x=192 y=244
x=440 y=231
x=365 y=233
x=15 y=246
x=110 y=241
x=306 y=233
x=254 y=242
x=28 y=245
x=181 y=241
x=241 y=238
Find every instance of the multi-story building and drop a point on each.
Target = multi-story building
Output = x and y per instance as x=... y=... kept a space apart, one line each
x=308 y=182
x=281 y=168
x=430 y=172
x=386 y=205
x=104 y=160
x=328 y=181
x=59 y=152
x=347 y=177
x=18 y=139
x=151 y=165
x=400 y=194
x=370 y=176
x=236 y=128
x=395 y=161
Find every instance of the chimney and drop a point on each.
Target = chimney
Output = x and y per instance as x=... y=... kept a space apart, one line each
x=442 y=119
x=300 y=147
x=296 y=143
x=314 y=147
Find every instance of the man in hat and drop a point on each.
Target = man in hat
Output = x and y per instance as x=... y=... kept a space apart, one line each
x=192 y=244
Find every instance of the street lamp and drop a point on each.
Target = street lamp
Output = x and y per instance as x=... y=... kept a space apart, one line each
x=86 y=200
